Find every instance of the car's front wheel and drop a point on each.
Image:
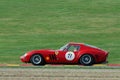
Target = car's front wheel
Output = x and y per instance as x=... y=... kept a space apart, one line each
x=87 y=60
x=37 y=60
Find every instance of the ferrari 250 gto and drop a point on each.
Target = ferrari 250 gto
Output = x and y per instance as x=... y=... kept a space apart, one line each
x=71 y=53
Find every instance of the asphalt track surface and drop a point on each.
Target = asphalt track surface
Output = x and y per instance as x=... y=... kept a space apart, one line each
x=58 y=74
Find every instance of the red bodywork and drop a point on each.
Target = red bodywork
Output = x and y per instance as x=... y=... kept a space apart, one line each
x=61 y=57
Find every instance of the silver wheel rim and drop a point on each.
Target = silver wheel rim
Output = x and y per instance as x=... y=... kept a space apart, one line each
x=36 y=59
x=86 y=59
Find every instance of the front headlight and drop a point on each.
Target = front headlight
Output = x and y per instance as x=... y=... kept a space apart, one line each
x=25 y=55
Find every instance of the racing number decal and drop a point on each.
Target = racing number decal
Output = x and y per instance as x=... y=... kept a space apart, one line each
x=70 y=56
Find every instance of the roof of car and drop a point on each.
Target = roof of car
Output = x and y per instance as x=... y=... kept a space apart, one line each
x=75 y=43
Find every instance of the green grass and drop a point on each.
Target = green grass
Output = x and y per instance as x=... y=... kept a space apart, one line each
x=37 y=24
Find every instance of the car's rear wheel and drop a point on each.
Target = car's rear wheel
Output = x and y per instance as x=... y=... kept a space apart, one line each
x=87 y=60
x=37 y=60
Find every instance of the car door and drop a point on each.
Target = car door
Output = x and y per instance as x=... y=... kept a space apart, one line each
x=69 y=55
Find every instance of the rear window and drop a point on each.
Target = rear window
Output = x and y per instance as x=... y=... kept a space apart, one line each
x=91 y=46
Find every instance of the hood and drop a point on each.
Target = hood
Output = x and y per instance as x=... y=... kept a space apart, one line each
x=42 y=51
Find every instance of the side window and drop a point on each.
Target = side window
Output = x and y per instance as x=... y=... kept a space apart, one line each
x=73 y=48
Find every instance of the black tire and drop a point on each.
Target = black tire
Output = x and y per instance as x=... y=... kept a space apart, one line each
x=37 y=60
x=87 y=60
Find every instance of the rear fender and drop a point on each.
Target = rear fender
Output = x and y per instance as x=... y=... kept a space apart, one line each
x=81 y=54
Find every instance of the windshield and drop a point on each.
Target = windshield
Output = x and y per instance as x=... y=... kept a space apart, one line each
x=63 y=47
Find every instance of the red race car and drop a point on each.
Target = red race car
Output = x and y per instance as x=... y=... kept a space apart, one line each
x=71 y=53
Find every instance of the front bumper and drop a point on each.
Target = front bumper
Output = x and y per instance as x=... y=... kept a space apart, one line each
x=24 y=59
